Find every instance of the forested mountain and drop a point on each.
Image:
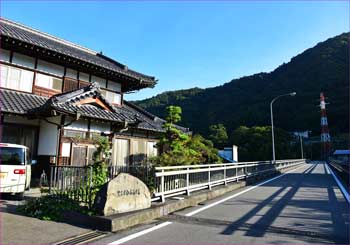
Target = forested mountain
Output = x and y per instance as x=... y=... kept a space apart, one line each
x=245 y=101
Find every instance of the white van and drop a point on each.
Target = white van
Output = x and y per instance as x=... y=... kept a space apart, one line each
x=15 y=169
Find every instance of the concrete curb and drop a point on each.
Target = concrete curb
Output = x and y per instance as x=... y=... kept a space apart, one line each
x=126 y=220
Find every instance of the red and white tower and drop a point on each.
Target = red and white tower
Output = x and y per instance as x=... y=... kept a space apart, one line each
x=325 y=137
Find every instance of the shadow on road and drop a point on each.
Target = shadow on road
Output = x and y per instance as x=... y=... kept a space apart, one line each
x=333 y=222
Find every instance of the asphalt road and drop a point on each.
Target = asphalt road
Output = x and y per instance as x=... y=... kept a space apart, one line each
x=16 y=228
x=303 y=206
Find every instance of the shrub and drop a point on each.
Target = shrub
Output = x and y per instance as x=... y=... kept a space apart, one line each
x=50 y=207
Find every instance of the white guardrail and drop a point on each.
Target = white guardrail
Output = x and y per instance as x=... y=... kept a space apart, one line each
x=175 y=180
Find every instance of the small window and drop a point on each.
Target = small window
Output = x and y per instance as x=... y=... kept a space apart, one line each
x=50 y=68
x=48 y=82
x=84 y=77
x=71 y=73
x=74 y=134
x=23 y=60
x=15 y=78
x=100 y=81
x=114 y=86
x=112 y=97
x=4 y=55
x=65 y=150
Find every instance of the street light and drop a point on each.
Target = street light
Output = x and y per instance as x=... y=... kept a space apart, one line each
x=272 y=130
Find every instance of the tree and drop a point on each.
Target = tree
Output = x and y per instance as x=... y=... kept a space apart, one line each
x=173 y=139
x=179 y=148
x=218 y=134
x=254 y=144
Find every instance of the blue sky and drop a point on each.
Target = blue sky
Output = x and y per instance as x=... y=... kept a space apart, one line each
x=188 y=44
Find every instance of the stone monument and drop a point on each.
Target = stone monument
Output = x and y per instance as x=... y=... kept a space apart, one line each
x=122 y=194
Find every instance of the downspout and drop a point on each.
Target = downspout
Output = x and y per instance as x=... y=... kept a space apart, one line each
x=125 y=127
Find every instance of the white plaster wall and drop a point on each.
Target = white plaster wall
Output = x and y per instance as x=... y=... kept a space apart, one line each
x=48 y=137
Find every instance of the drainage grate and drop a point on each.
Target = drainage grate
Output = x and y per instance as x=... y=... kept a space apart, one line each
x=82 y=239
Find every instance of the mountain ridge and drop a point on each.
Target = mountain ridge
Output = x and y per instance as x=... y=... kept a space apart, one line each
x=245 y=100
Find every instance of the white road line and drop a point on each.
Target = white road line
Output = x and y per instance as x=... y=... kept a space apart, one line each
x=135 y=235
x=161 y=225
x=340 y=185
x=238 y=194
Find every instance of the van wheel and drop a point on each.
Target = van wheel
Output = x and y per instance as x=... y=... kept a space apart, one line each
x=20 y=196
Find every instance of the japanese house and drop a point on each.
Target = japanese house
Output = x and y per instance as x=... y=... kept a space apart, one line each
x=56 y=97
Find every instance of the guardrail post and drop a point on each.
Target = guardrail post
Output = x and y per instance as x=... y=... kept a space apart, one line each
x=236 y=173
x=188 y=182
x=225 y=182
x=209 y=185
x=162 y=197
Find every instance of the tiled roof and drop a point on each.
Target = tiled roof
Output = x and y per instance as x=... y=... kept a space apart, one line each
x=43 y=40
x=66 y=103
x=29 y=104
x=19 y=102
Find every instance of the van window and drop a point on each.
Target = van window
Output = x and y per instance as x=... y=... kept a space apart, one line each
x=11 y=156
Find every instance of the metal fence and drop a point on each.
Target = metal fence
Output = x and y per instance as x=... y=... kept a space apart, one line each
x=342 y=170
x=143 y=172
x=175 y=180
x=76 y=182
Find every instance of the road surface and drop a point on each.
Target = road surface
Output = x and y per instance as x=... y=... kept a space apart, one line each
x=302 y=206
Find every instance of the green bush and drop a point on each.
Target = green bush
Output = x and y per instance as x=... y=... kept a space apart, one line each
x=51 y=207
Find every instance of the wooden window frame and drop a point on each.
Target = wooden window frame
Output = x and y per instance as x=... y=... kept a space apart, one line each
x=21 y=68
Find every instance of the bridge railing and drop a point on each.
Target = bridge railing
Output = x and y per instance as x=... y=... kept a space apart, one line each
x=341 y=168
x=175 y=180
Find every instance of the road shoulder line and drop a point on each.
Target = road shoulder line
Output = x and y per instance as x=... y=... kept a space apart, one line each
x=340 y=185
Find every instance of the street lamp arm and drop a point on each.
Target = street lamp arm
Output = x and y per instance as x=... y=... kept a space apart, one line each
x=272 y=128
x=282 y=95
